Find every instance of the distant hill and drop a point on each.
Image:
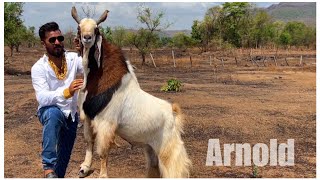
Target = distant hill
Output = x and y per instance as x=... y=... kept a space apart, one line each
x=284 y=11
x=167 y=33
x=171 y=33
x=294 y=11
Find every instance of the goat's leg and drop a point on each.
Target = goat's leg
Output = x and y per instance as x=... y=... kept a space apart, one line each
x=152 y=163
x=105 y=140
x=85 y=167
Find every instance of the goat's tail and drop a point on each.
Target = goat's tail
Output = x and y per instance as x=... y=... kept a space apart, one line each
x=173 y=157
x=179 y=117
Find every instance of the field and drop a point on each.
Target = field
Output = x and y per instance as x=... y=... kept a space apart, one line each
x=234 y=103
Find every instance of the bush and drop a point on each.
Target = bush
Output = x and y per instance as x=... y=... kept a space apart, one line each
x=172 y=85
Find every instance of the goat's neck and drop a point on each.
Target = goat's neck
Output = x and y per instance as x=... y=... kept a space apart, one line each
x=86 y=70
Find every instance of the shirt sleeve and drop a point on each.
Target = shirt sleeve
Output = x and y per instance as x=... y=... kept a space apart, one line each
x=44 y=96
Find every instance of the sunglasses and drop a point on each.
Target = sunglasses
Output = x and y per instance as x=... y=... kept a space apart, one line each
x=52 y=40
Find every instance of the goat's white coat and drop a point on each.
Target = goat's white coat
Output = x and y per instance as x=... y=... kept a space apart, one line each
x=139 y=118
x=138 y=115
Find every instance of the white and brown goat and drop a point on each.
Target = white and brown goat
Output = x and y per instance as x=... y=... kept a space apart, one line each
x=112 y=103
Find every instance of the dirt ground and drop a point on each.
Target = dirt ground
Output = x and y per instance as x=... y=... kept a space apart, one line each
x=235 y=104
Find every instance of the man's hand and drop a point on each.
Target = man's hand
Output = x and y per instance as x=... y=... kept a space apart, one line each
x=75 y=85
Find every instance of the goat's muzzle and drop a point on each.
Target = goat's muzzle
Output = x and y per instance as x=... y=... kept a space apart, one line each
x=87 y=41
x=87 y=37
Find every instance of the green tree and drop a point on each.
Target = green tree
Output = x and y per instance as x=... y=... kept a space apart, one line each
x=297 y=32
x=31 y=38
x=198 y=34
x=214 y=18
x=143 y=40
x=285 y=39
x=14 y=30
x=196 y=31
x=262 y=28
x=182 y=41
x=236 y=20
x=119 y=36
x=165 y=41
x=107 y=33
x=310 y=37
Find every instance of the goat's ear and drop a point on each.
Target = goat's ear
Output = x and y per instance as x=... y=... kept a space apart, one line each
x=103 y=17
x=97 y=53
x=74 y=14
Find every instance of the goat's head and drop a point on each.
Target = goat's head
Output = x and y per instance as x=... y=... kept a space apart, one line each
x=88 y=31
x=88 y=27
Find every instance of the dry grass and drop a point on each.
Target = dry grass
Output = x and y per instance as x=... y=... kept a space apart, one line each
x=235 y=104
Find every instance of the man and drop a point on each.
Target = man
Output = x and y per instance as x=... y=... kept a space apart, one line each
x=55 y=84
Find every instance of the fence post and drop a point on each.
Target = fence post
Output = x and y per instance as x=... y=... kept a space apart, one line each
x=286 y=61
x=154 y=64
x=190 y=61
x=300 y=60
x=174 y=61
x=275 y=61
x=251 y=57
x=286 y=57
x=210 y=60
x=222 y=62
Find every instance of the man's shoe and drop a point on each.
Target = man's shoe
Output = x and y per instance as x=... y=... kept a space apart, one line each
x=51 y=175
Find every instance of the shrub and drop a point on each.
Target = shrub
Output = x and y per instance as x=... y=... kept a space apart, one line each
x=172 y=85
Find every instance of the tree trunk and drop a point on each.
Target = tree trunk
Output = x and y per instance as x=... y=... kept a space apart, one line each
x=17 y=48
x=143 y=59
x=11 y=50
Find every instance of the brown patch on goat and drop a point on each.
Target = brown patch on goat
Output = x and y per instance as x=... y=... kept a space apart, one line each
x=113 y=68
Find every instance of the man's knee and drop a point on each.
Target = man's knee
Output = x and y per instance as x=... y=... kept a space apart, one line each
x=52 y=114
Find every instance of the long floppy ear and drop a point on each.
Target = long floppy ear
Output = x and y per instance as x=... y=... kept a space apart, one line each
x=97 y=52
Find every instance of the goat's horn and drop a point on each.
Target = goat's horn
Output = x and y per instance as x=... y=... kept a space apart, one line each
x=75 y=15
x=103 y=17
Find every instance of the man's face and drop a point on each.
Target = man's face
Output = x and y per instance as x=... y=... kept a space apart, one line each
x=53 y=43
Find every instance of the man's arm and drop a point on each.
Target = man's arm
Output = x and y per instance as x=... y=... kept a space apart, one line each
x=44 y=96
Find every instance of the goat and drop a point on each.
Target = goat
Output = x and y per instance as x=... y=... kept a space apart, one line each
x=111 y=103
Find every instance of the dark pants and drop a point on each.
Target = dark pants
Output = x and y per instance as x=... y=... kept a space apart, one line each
x=58 y=137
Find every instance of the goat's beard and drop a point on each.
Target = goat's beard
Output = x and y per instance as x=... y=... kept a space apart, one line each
x=57 y=51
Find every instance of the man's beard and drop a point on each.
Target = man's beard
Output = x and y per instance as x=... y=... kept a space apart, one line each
x=57 y=51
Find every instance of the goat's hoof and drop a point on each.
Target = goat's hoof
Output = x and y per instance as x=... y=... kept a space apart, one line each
x=103 y=176
x=84 y=171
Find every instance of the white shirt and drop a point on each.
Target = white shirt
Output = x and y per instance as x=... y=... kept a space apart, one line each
x=49 y=89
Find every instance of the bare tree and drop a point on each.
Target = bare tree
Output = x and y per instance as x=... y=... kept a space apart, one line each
x=89 y=12
x=146 y=37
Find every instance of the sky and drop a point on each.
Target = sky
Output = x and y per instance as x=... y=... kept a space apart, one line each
x=181 y=14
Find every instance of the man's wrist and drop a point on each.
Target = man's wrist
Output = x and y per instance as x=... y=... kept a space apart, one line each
x=67 y=94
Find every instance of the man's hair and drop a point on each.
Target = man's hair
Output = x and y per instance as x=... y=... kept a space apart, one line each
x=50 y=26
